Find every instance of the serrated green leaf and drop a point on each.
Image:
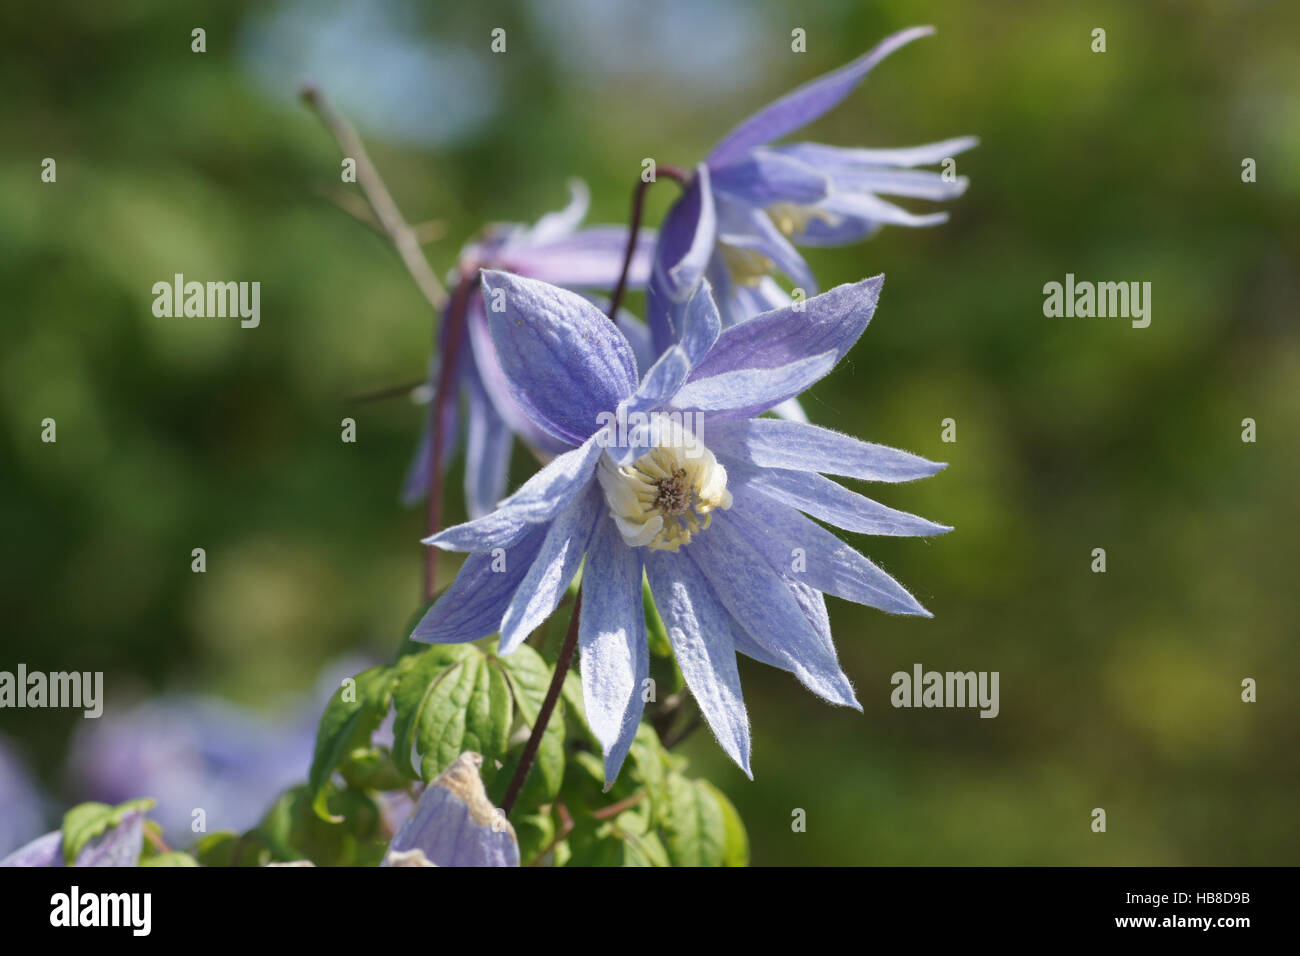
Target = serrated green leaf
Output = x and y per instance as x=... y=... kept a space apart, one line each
x=349 y=719
x=469 y=708
x=696 y=831
x=417 y=682
x=86 y=821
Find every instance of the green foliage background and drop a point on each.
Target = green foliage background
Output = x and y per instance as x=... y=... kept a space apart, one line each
x=1118 y=690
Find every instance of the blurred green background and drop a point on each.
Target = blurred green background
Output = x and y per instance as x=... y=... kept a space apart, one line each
x=1118 y=690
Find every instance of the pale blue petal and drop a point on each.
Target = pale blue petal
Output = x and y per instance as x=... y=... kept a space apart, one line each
x=45 y=850
x=615 y=659
x=564 y=361
x=746 y=227
x=591 y=258
x=772 y=443
x=750 y=391
x=119 y=846
x=790 y=541
x=700 y=631
x=540 y=498
x=476 y=601
x=760 y=601
x=805 y=104
x=682 y=254
x=552 y=570
x=834 y=158
x=557 y=225
x=830 y=322
x=822 y=498
x=764 y=177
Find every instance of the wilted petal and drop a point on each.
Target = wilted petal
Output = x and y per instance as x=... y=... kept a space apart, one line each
x=700 y=631
x=615 y=654
x=455 y=824
x=118 y=846
x=564 y=361
x=805 y=104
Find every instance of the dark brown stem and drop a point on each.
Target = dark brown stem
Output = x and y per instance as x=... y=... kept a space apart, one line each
x=456 y=318
x=529 y=757
x=633 y=233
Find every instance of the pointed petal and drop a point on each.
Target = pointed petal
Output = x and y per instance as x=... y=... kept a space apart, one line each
x=830 y=322
x=486 y=584
x=565 y=363
x=790 y=112
x=118 y=846
x=822 y=498
x=772 y=443
x=700 y=631
x=760 y=601
x=554 y=567
x=789 y=541
x=591 y=258
x=557 y=225
x=615 y=657
x=839 y=157
x=751 y=391
x=541 y=498
x=45 y=850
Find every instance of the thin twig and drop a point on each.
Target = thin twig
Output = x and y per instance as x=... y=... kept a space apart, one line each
x=566 y=827
x=404 y=238
x=614 y=809
x=529 y=756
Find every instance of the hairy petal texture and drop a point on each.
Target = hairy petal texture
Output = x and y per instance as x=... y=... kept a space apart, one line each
x=830 y=322
x=828 y=564
x=764 y=177
x=478 y=599
x=822 y=498
x=700 y=631
x=772 y=443
x=807 y=103
x=541 y=498
x=556 y=563
x=757 y=597
x=615 y=659
x=563 y=360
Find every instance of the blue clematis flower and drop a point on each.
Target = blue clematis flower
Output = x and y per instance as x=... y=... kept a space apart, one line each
x=20 y=796
x=670 y=475
x=455 y=824
x=556 y=250
x=750 y=204
x=120 y=845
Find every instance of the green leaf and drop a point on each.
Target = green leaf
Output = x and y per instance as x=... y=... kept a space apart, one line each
x=86 y=821
x=735 y=846
x=294 y=830
x=353 y=713
x=696 y=831
x=530 y=678
x=417 y=683
x=232 y=849
x=470 y=708
x=172 y=858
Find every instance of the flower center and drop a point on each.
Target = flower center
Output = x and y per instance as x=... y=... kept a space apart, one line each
x=667 y=495
x=792 y=219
